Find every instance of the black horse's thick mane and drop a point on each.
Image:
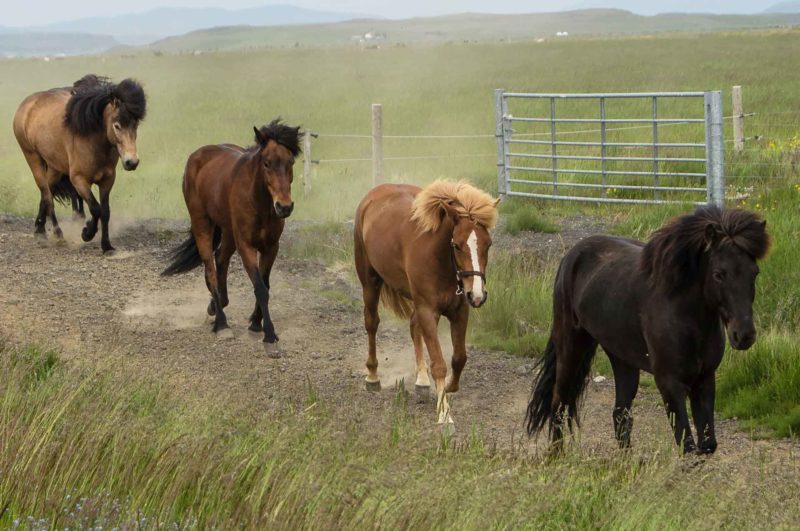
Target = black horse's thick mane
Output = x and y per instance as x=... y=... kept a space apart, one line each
x=91 y=94
x=672 y=257
x=285 y=135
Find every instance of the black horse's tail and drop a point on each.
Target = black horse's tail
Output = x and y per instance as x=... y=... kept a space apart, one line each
x=63 y=191
x=574 y=366
x=186 y=256
x=540 y=406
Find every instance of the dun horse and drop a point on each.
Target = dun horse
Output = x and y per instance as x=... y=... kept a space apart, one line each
x=424 y=253
x=238 y=199
x=659 y=307
x=72 y=139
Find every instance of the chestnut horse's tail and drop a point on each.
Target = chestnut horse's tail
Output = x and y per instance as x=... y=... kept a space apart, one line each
x=186 y=257
x=393 y=300
x=63 y=191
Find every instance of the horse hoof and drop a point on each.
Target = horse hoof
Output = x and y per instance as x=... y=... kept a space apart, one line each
x=109 y=252
x=86 y=237
x=59 y=233
x=448 y=428
x=422 y=392
x=211 y=310
x=272 y=350
x=224 y=334
x=372 y=387
x=255 y=327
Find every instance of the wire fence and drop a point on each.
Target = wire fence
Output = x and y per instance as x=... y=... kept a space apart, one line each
x=751 y=163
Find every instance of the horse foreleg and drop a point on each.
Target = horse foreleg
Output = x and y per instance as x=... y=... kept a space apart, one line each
x=458 y=334
x=105 y=212
x=701 y=397
x=626 y=379
x=428 y=321
x=260 y=318
x=249 y=257
x=673 y=392
x=84 y=188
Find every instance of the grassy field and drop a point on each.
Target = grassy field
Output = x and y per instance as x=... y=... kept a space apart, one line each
x=83 y=448
x=65 y=430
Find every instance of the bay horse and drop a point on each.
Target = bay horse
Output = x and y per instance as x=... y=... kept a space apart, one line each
x=660 y=307
x=238 y=199
x=423 y=252
x=72 y=138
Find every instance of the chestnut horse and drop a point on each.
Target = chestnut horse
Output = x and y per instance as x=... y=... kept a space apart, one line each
x=424 y=253
x=659 y=307
x=238 y=199
x=72 y=138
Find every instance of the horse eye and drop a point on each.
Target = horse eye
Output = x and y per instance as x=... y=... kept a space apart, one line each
x=266 y=164
x=117 y=126
x=719 y=275
x=456 y=247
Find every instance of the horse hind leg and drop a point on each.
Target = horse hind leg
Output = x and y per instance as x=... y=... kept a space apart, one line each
x=422 y=384
x=203 y=232
x=372 y=293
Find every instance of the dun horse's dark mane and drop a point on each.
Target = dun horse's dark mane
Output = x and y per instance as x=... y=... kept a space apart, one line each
x=285 y=135
x=672 y=257
x=91 y=94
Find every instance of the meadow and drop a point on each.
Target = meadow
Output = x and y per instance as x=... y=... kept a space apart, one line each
x=68 y=430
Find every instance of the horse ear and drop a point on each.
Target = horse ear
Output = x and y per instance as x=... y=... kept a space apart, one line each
x=763 y=224
x=259 y=137
x=712 y=235
x=497 y=201
x=450 y=210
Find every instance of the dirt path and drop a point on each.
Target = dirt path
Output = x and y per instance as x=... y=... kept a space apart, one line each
x=96 y=308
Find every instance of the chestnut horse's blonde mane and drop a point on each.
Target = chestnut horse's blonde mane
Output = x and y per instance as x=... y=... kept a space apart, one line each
x=470 y=202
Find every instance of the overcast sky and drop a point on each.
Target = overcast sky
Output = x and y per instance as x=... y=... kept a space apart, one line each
x=35 y=12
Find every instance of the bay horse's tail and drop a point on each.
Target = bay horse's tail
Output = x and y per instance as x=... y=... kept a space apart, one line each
x=565 y=365
x=63 y=191
x=186 y=256
x=393 y=300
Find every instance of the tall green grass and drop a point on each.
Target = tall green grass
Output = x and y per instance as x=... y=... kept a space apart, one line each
x=90 y=447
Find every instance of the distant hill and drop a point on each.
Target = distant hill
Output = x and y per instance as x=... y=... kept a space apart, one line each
x=141 y=28
x=785 y=7
x=465 y=27
x=53 y=44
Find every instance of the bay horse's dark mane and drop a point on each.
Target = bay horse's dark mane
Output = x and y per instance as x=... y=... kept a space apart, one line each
x=671 y=258
x=91 y=94
x=277 y=131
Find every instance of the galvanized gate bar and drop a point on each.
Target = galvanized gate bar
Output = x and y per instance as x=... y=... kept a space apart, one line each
x=713 y=171
x=608 y=144
x=596 y=95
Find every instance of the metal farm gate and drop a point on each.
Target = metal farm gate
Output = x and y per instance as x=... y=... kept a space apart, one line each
x=613 y=148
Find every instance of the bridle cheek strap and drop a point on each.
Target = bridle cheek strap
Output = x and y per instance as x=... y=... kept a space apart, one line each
x=460 y=275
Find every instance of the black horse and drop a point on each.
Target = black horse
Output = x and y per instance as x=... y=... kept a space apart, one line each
x=658 y=307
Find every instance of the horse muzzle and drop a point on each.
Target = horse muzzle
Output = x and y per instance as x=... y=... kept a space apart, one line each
x=284 y=211
x=130 y=164
x=480 y=302
x=742 y=338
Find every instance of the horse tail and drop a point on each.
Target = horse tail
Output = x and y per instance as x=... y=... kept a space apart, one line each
x=63 y=191
x=186 y=256
x=542 y=408
x=394 y=300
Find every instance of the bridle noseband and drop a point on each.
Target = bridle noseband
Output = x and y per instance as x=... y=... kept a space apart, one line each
x=461 y=274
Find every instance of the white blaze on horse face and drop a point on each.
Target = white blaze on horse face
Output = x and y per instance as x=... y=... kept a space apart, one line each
x=477 y=281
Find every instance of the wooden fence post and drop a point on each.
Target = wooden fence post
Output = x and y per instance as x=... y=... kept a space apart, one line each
x=377 y=144
x=738 y=119
x=307 y=163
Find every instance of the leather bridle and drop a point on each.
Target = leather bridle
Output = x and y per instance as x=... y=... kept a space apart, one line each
x=461 y=274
